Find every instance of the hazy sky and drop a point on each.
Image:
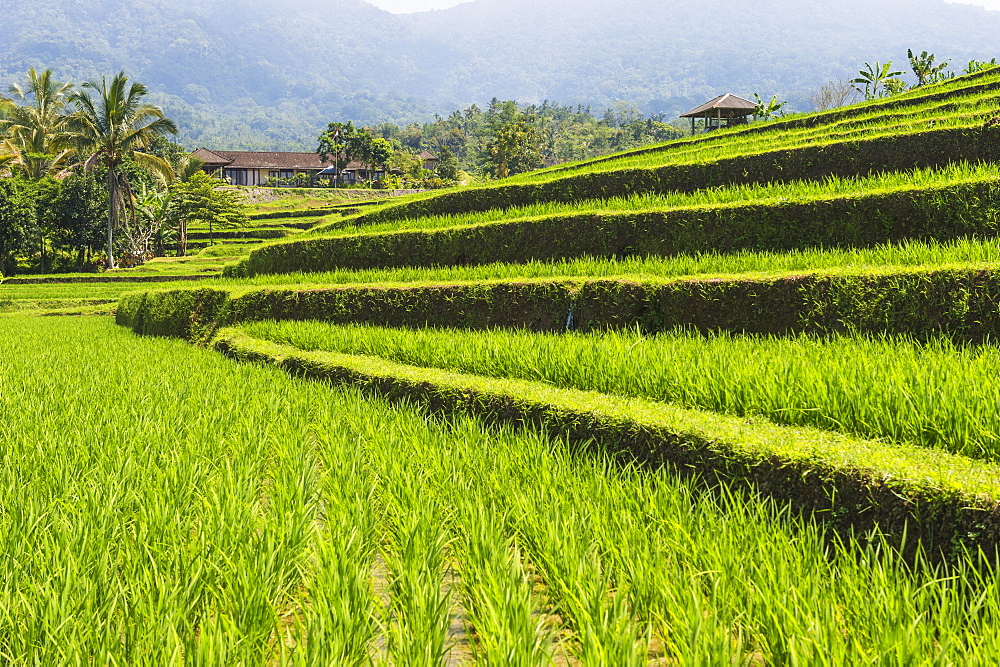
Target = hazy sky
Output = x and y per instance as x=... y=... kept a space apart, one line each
x=404 y=6
x=988 y=4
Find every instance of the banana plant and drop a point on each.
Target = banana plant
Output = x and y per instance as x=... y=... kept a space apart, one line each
x=924 y=68
x=873 y=79
x=768 y=110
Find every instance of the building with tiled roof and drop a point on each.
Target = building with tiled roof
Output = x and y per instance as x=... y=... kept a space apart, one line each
x=429 y=159
x=256 y=167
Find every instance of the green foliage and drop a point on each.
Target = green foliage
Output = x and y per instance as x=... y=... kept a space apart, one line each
x=975 y=66
x=516 y=146
x=874 y=78
x=925 y=68
x=956 y=202
x=567 y=132
x=221 y=520
x=113 y=125
x=447 y=168
x=202 y=201
x=36 y=126
x=17 y=215
x=767 y=110
x=933 y=395
x=51 y=225
x=963 y=252
x=817 y=471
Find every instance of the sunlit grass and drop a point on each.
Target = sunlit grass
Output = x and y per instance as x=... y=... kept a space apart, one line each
x=911 y=254
x=832 y=187
x=934 y=394
x=164 y=505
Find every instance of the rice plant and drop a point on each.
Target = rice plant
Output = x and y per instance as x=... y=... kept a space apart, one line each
x=965 y=252
x=776 y=193
x=935 y=394
x=164 y=505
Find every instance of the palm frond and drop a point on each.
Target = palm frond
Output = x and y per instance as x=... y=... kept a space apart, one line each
x=154 y=165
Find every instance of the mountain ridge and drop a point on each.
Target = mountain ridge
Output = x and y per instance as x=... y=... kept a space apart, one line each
x=269 y=74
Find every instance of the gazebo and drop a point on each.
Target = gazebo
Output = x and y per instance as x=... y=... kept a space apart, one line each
x=730 y=108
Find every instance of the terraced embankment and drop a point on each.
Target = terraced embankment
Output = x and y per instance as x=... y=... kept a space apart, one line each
x=959 y=302
x=954 y=206
x=876 y=220
x=724 y=426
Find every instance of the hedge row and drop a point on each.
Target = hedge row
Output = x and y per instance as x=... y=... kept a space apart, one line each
x=939 y=500
x=861 y=157
x=307 y=213
x=960 y=303
x=104 y=278
x=940 y=213
x=239 y=234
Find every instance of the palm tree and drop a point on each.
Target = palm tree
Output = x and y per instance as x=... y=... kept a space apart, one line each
x=115 y=125
x=37 y=128
x=7 y=155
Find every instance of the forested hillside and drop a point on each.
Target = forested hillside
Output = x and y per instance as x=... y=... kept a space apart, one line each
x=270 y=74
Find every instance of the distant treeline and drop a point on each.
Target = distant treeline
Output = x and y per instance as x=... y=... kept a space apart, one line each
x=538 y=135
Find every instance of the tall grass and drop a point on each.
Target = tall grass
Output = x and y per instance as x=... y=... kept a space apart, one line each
x=163 y=505
x=934 y=394
x=767 y=194
x=968 y=252
x=643 y=566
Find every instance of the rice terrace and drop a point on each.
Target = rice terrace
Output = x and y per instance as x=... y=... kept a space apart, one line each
x=730 y=398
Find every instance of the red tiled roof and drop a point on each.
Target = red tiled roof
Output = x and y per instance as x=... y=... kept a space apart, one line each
x=209 y=158
x=261 y=160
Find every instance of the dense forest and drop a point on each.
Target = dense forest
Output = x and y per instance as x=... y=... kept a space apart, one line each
x=266 y=74
x=549 y=133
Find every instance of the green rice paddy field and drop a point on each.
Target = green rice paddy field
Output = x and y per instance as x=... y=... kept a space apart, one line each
x=332 y=498
x=217 y=513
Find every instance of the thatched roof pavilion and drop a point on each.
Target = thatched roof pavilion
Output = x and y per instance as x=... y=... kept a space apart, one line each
x=730 y=108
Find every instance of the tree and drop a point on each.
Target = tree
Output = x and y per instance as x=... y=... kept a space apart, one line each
x=338 y=142
x=37 y=126
x=832 y=94
x=78 y=215
x=447 y=168
x=200 y=199
x=516 y=147
x=924 y=68
x=766 y=110
x=379 y=153
x=873 y=78
x=17 y=211
x=113 y=126
x=407 y=164
x=371 y=150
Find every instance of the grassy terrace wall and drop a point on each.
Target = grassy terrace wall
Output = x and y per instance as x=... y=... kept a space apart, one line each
x=940 y=500
x=932 y=148
x=937 y=213
x=958 y=302
x=980 y=82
